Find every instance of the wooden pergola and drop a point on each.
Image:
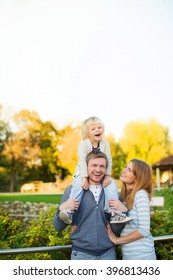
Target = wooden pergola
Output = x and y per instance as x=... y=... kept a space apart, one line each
x=165 y=164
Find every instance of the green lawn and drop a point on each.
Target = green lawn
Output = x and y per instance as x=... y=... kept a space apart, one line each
x=167 y=193
x=48 y=198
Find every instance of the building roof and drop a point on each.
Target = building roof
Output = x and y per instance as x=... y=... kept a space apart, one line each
x=164 y=164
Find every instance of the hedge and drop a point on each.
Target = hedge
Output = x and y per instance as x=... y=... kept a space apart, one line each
x=40 y=232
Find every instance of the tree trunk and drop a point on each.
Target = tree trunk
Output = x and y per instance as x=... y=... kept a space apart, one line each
x=12 y=178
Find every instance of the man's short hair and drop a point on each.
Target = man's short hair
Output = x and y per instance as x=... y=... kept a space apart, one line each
x=97 y=154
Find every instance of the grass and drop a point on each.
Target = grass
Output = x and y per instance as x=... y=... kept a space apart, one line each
x=167 y=193
x=47 y=198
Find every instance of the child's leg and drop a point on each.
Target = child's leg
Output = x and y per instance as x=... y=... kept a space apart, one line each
x=76 y=190
x=111 y=192
x=76 y=193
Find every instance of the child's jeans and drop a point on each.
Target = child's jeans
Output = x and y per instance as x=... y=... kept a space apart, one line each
x=111 y=192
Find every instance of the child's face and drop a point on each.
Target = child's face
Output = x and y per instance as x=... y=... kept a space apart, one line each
x=95 y=132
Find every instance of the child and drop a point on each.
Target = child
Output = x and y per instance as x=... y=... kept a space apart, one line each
x=92 y=131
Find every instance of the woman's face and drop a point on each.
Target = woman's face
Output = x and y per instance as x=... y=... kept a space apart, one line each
x=127 y=176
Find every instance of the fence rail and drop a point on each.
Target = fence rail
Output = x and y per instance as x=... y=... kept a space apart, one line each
x=34 y=250
x=58 y=248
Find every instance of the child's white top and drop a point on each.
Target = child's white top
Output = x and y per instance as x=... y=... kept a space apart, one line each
x=84 y=148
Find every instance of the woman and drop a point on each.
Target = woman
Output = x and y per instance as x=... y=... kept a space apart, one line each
x=136 y=240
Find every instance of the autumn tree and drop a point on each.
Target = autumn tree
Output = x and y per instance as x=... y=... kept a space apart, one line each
x=146 y=140
x=68 y=147
x=5 y=133
x=21 y=147
x=32 y=149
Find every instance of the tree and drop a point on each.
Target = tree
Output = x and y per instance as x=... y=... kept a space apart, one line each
x=147 y=140
x=5 y=133
x=20 y=148
x=118 y=157
x=68 y=147
x=31 y=150
x=50 y=165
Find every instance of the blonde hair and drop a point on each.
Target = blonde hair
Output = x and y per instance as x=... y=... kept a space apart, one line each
x=88 y=123
x=143 y=181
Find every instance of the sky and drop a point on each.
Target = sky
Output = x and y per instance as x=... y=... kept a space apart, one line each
x=72 y=59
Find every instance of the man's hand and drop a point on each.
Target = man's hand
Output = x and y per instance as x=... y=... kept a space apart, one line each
x=71 y=204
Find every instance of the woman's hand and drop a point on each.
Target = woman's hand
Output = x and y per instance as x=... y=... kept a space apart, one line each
x=73 y=228
x=112 y=235
x=117 y=205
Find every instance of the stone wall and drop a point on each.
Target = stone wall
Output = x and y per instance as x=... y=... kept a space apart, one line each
x=18 y=208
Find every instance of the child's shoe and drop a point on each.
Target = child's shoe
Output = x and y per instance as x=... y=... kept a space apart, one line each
x=65 y=217
x=119 y=217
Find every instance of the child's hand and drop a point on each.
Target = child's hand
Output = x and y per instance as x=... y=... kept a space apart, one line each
x=85 y=183
x=106 y=181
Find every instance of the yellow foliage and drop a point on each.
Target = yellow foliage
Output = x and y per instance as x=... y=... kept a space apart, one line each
x=146 y=140
x=68 y=147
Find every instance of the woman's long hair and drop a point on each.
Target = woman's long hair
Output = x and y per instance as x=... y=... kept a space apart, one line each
x=143 y=181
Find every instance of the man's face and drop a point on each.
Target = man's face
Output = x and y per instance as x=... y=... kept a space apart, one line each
x=96 y=170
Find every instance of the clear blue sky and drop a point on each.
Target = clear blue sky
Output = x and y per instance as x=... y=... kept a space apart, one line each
x=69 y=60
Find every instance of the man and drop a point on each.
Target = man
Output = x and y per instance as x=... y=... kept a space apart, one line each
x=89 y=236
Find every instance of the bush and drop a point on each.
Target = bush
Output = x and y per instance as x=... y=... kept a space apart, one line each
x=40 y=232
x=162 y=224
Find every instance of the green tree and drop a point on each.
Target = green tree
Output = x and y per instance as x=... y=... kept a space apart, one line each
x=50 y=165
x=118 y=157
